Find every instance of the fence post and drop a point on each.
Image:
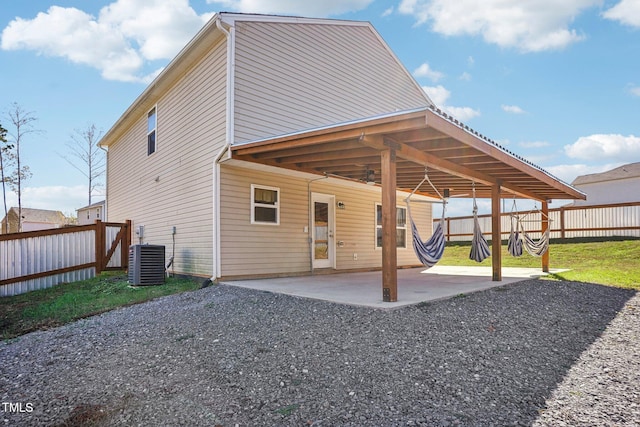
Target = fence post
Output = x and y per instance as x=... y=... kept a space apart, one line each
x=448 y=229
x=124 y=246
x=544 y=217
x=100 y=231
x=562 y=222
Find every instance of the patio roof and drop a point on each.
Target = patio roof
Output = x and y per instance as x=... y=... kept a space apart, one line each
x=455 y=156
x=399 y=147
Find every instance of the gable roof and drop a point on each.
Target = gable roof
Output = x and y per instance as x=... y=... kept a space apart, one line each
x=40 y=215
x=217 y=29
x=631 y=170
x=92 y=205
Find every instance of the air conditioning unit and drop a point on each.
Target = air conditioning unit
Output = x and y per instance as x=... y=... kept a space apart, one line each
x=146 y=265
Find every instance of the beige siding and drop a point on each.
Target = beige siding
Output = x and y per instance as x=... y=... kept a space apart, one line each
x=173 y=186
x=291 y=77
x=250 y=249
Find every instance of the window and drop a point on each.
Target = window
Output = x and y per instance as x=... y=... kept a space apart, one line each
x=151 y=131
x=98 y=213
x=401 y=227
x=265 y=205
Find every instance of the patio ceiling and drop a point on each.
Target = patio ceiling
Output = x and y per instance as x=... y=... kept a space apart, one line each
x=454 y=155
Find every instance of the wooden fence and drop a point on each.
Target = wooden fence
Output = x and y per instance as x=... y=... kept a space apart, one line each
x=620 y=219
x=41 y=259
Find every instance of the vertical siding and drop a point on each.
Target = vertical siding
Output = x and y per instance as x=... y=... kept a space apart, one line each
x=173 y=186
x=291 y=77
x=267 y=249
x=31 y=255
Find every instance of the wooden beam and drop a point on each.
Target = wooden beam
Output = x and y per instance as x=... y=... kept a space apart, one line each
x=545 y=225
x=496 y=234
x=412 y=154
x=389 y=248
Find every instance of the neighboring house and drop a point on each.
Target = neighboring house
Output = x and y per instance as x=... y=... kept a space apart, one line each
x=89 y=214
x=33 y=220
x=619 y=185
x=186 y=162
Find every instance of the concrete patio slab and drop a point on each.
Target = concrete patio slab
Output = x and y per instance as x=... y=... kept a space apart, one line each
x=415 y=285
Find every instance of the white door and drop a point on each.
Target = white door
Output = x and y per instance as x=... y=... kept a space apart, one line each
x=322 y=219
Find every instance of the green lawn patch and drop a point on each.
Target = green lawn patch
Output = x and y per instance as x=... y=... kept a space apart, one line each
x=71 y=301
x=612 y=263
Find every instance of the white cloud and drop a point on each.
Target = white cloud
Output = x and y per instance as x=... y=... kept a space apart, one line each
x=465 y=77
x=387 y=12
x=601 y=147
x=439 y=95
x=513 y=109
x=626 y=12
x=118 y=42
x=315 y=9
x=634 y=90
x=56 y=198
x=528 y=25
x=425 y=70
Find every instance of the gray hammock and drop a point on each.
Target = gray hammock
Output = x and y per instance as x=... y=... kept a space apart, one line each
x=514 y=244
x=518 y=239
x=430 y=251
x=479 y=246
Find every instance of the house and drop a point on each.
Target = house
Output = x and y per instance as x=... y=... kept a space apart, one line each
x=32 y=220
x=619 y=185
x=278 y=146
x=89 y=214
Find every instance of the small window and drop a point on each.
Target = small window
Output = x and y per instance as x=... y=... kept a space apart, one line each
x=151 y=131
x=401 y=227
x=265 y=207
x=98 y=213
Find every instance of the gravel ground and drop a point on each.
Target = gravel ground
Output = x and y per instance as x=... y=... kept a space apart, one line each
x=532 y=353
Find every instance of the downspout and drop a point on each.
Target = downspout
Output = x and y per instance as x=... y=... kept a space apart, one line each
x=220 y=158
x=310 y=238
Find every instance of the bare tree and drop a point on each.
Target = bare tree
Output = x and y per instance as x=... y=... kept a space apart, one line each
x=22 y=122
x=5 y=156
x=83 y=146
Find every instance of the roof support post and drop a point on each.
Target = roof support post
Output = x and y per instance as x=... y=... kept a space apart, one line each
x=389 y=251
x=496 y=233
x=544 y=218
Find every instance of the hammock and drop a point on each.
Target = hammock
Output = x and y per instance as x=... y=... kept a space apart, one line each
x=428 y=252
x=514 y=244
x=535 y=248
x=479 y=246
x=519 y=238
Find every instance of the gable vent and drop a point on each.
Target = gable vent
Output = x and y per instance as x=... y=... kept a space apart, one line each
x=146 y=265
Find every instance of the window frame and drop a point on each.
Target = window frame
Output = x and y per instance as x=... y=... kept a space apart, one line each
x=276 y=206
x=154 y=131
x=379 y=227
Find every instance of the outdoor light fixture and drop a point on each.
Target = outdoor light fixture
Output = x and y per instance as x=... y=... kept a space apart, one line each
x=370 y=177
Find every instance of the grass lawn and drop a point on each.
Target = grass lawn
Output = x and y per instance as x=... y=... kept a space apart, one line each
x=71 y=301
x=613 y=263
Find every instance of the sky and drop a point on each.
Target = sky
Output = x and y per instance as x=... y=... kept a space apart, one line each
x=556 y=82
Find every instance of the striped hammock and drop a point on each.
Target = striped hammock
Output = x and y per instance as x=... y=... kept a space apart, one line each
x=479 y=246
x=514 y=244
x=535 y=248
x=428 y=252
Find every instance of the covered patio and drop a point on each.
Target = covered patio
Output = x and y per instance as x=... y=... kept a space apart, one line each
x=363 y=288
x=395 y=150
